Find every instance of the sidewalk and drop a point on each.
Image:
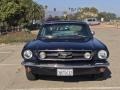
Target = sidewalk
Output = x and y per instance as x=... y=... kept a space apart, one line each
x=103 y=26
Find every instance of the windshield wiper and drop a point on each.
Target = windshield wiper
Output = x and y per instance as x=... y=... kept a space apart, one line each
x=49 y=36
x=83 y=36
x=68 y=36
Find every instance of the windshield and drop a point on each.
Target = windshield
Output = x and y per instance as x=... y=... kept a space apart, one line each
x=65 y=30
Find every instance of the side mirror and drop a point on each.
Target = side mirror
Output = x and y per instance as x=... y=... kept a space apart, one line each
x=93 y=32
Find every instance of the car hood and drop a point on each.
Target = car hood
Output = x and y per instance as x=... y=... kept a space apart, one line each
x=89 y=44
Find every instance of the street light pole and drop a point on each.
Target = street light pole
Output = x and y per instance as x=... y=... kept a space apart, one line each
x=33 y=18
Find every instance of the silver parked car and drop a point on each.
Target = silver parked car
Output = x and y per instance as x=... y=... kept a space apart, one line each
x=92 y=21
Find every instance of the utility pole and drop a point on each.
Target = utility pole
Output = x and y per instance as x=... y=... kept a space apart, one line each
x=33 y=18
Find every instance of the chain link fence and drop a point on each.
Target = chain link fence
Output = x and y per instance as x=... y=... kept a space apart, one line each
x=8 y=29
x=115 y=23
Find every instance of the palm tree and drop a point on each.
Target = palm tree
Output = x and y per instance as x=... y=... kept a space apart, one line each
x=70 y=9
x=46 y=7
x=54 y=9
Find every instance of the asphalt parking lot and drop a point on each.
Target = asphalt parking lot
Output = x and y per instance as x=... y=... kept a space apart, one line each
x=12 y=75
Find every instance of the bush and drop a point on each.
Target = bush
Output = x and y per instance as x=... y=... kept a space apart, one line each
x=17 y=37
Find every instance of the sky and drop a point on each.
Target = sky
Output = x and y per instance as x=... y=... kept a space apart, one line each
x=101 y=5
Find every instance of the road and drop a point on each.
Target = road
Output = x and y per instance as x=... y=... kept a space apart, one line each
x=12 y=75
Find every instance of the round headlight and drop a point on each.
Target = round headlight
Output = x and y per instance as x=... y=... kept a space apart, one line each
x=27 y=54
x=87 y=55
x=102 y=54
x=42 y=55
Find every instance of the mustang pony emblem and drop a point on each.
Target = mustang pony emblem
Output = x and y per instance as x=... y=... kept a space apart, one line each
x=65 y=54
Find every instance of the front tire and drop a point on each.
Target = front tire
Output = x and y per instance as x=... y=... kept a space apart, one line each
x=30 y=76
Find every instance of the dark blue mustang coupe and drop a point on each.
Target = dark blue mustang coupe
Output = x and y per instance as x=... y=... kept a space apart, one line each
x=64 y=48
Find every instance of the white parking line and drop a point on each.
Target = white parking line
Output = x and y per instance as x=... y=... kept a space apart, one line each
x=82 y=88
x=10 y=64
x=4 y=52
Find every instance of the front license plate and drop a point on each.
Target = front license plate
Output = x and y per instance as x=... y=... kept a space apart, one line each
x=64 y=72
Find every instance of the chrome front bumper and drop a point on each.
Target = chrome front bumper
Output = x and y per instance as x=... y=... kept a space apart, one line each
x=30 y=64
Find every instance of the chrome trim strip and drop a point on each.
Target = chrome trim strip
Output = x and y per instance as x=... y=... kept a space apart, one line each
x=64 y=50
x=80 y=59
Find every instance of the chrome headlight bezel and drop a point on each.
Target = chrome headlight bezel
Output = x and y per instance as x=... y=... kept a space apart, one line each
x=102 y=54
x=27 y=54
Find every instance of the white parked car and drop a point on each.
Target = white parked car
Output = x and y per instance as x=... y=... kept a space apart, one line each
x=92 y=21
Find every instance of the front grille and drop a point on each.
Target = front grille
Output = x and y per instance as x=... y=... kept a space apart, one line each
x=65 y=55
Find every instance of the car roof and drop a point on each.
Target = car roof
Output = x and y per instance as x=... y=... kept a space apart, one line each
x=64 y=22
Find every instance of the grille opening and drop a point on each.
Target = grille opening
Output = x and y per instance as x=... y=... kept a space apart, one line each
x=66 y=55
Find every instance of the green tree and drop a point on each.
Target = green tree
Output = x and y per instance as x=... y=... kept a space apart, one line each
x=107 y=16
x=86 y=13
x=15 y=12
